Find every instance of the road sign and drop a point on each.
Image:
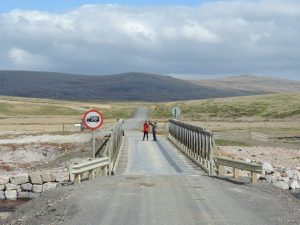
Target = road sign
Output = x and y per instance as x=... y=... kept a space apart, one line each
x=176 y=111
x=93 y=119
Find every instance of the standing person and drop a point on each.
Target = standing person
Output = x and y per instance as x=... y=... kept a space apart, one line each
x=146 y=130
x=154 y=128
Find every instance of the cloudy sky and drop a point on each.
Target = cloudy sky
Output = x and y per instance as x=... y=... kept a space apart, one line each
x=185 y=38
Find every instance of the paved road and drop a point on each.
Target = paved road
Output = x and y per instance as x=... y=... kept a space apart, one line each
x=156 y=185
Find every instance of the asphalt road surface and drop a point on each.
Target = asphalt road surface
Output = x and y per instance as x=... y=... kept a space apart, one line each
x=156 y=185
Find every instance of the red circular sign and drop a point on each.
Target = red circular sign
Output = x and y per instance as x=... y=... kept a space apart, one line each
x=93 y=119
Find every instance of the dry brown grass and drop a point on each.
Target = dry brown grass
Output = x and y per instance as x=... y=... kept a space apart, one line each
x=27 y=115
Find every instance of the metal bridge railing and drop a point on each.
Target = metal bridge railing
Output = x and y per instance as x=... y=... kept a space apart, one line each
x=195 y=142
x=113 y=144
x=106 y=156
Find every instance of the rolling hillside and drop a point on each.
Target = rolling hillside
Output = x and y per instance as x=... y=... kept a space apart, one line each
x=128 y=86
x=252 y=84
x=247 y=108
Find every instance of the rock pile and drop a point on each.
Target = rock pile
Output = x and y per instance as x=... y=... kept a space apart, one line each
x=24 y=185
x=281 y=177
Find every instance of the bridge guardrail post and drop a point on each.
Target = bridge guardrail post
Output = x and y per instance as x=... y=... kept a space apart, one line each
x=195 y=142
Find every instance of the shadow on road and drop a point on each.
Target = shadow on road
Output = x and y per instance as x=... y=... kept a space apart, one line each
x=232 y=180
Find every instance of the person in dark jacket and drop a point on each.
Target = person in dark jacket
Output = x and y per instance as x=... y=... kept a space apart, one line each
x=146 y=130
x=154 y=128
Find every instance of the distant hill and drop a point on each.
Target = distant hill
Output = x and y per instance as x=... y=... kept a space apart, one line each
x=127 y=86
x=252 y=84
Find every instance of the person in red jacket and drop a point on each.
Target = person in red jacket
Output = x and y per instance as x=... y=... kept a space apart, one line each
x=146 y=130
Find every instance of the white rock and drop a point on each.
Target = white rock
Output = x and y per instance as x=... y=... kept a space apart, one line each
x=285 y=179
x=60 y=177
x=19 y=179
x=248 y=160
x=2 y=195
x=282 y=185
x=26 y=187
x=268 y=168
x=35 y=178
x=297 y=174
x=48 y=186
x=11 y=195
x=293 y=184
x=290 y=174
x=37 y=188
x=2 y=187
x=10 y=187
x=276 y=176
x=269 y=178
x=47 y=177
x=26 y=195
x=4 y=180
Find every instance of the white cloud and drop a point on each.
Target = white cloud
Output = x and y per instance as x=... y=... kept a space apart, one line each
x=22 y=59
x=196 y=32
x=232 y=37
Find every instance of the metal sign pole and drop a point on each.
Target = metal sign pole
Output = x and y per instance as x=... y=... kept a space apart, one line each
x=94 y=143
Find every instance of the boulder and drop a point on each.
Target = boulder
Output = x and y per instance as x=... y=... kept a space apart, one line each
x=290 y=174
x=269 y=178
x=4 y=180
x=2 y=195
x=11 y=195
x=35 y=178
x=59 y=177
x=47 y=177
x=48 y=186
x=2 y=187
x=285 y=179
x=268 y=168
x=293 y=184
x=9 y=187
x=282 y=185
x=26 y=187
x=297 y=174
x=26 y=195
x=36 y=188
x=272 y=178
x=19 y=179
x=62 y=177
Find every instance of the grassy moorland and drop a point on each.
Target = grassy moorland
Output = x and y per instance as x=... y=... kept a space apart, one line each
x=250 y=108
x=39 y=115
x=276 y=115
x=26 y=107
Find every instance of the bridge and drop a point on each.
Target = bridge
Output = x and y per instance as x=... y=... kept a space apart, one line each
x=171 y=182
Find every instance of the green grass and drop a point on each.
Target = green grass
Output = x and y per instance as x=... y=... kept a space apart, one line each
x=262 y=107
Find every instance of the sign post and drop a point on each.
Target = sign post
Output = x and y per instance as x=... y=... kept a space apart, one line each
x=93 y=120
x=176 y=112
